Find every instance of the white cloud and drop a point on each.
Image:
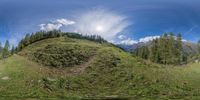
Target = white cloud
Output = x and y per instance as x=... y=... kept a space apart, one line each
x=128 y=41
x=121 y=37
x=183 y=40
x=148 y=38
x=50 y=27
x=56 y=25
x=101 y=22
x=65 y=21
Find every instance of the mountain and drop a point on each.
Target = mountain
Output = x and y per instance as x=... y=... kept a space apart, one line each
x=74 y=68
x=130 y=48
x=188 y=47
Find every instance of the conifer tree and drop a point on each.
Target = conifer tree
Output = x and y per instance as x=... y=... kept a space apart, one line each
x=198 y=46
x=12 y=50
x=1 y=47
x=1 y=50
x=163 y=49
x=179 y=49
x=154 y=54
x=27 y=39
x=6 y=51
x=171 y=48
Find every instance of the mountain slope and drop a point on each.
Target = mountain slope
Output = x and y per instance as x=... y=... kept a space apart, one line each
x=188 y=47
x=108 y=73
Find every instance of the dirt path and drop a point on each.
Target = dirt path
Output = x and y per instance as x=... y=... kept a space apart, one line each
x=68 y=71
x=81 y=68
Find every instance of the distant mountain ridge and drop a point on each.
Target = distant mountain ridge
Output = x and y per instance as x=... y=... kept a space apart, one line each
x=188 y=47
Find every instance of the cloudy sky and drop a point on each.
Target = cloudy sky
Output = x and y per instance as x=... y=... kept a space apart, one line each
x=119 y=21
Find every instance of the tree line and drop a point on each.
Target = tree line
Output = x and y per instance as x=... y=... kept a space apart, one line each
x=6 y=50
x=41 y=35
x=167 y=49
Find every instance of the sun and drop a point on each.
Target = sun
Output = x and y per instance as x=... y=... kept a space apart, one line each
x=99 y=28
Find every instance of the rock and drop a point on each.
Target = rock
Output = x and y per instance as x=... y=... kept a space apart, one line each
x=196 y=61
x=51 y=79
x=5 y=78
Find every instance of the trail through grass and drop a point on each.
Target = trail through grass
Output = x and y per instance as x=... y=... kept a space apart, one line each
x=28 y=79
x=111 y=73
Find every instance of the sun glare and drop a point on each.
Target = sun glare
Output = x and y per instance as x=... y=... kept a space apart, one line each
x=99 y=28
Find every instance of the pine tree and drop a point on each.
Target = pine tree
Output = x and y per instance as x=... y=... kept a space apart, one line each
x=6 y=51
x=163 y=49
x=179 y=49
x=171 y=48
x=12 y=50
x=198 y=46
x=27 y=39
x=154 y=54
x=1 y=50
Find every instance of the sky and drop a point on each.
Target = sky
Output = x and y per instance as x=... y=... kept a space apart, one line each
x=118 y=21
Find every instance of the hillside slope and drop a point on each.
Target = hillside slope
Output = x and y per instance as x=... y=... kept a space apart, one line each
x=61 y=52
x=108 y=73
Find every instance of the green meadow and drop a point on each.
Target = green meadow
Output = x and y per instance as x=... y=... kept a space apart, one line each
x=108 y=73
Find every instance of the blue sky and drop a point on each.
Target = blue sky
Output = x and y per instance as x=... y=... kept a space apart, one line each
x=136 y=19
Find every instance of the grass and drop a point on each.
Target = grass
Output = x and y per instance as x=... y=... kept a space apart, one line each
x=61 y=52
x=112 y=73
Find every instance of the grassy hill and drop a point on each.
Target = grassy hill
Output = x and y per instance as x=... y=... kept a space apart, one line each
x=104 y=72
x=61 y=52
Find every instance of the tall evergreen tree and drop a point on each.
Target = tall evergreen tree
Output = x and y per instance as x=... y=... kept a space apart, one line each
x=198 y=46
x=6 y=51
x=1 y=47
x=154 y=51
x=1 y=50
x=171 y=48
x=179 y=49
x=164 y=48
x=27 y=39
x=12 y=50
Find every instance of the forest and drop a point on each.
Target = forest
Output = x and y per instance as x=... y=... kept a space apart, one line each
x=165 y=50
